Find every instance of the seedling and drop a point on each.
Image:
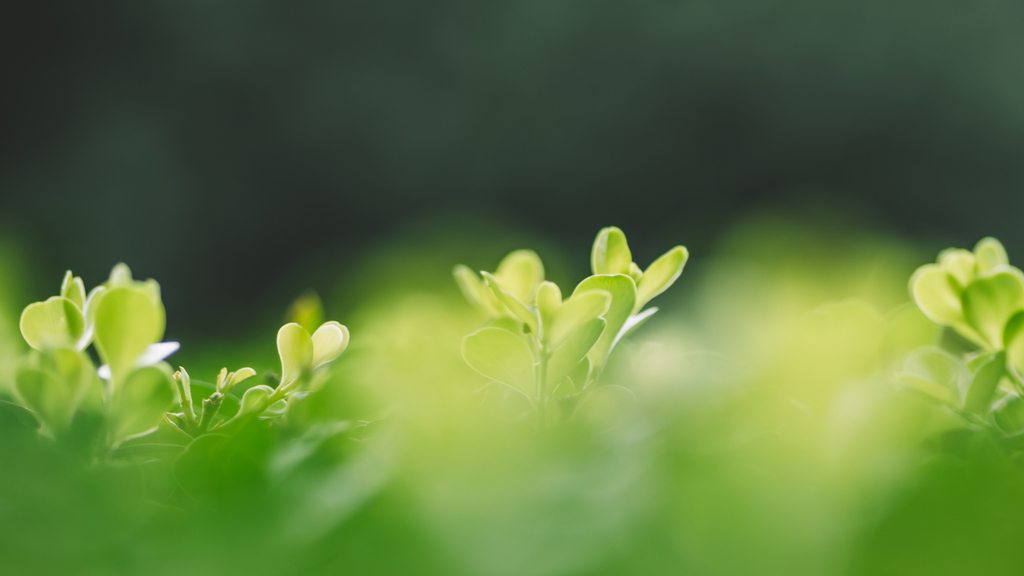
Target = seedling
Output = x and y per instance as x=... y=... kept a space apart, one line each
x=547 y=347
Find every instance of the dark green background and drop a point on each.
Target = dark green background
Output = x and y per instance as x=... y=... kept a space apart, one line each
x=239 y=151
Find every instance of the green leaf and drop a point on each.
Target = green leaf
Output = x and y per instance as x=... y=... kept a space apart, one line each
x=120 y=276
x=73 y=289
x=519 y=274
x=329 y=341
x=959 y=264
x=45 y=394
x=936 y=295
x=661 y=274
x=983 y=386
x=989 y=301
x=623 y=293
x=295 y=347
x=575 y=312
x=610 y=254
x=15 y=419
x=127 y=322
x=512 y=303
x=568 y=356
x=55 y=323
x=934 y=372
x=549 y=300
x=989 y=254
x=307 y=311
x=501 y=356
x=139 y=404
x=256 y=399
x=581 y=373
x=476 y=292
x=1013 y=340
x=634 y=323
x=1008 y=414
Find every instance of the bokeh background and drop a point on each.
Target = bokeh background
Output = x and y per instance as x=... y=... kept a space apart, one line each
x=238 y=151
x=805 y=152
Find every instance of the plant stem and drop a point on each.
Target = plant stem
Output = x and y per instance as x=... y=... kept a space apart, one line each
x=542 y=388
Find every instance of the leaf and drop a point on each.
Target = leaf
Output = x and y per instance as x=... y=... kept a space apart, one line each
x=476 y=292
x=241 y=375
x=581 y=373
x=73 y=289
x=633 y=323
x=512 y=303
x=933 y=371
x=16 y=419
x=959 y=264
x=519 y=274
x=127 y=322
x=307 y=311
x=55 y=323
x=1013 y=340
x=295 y=347
x=575 y=348
x=44 y=393
x=610 y=254
x=502 y=356
x=623 y=293
x=140 y=402
x=1008 y=414
x=563 y=389
x=989 y=301
x=936 y=295
x=256 y=399
x=549 y=300
x=575 y=312
x=989 y=254
x=329 y=341
x=983 y=386
x=661 y=274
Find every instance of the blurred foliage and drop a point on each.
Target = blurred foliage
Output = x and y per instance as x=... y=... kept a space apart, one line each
x=769 y=436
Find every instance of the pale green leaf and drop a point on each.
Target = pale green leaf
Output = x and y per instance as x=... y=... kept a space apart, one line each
x=240 y=375
x=1013 y=340
x=519 y=274
x=329 y=341
x=295 y=347
x=936 y=294
x=55 y=323
x=623 y=293
x=476 y=292
x=120 y=276
x=127 y=322
x=610 y=254
x=989 y=254
x=581 y=308
x=989 y=301
x=501 y=356
x=984 y=384
x=959 y=264
x=73 y=289
x=43 y=392
x=633 y=324
x=549 y=300
x=661 y=274
x=580 y=375
x=518 y=309
x=256 y=399
x=564 y=359
x=140 y=402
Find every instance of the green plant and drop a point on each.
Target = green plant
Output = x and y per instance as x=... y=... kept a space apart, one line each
x=979 y=296
x=549 y=348
x=135 y=390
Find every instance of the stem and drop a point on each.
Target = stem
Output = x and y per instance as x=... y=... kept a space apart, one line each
x=210 y=407
x=542 y=389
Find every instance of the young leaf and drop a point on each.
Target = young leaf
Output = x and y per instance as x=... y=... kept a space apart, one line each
x=1013 y=340
x=610 y=254
x=575 y=348
x=936 y=295
x=476 y=292
x=73 y=289
x=959 y=264
x=661 y=274
x=55 y=323
x=519 y=274
x=989 y=254
x=574 y=313
x=581 y=373
x=256 y=399
x=44 y=393
x=127 y=322
x=502 y=356
x=984 y=384
x=549 y=300
x=634 y=322
x=295 y=347
x=989 y=301
x=329 y=341
x=138 y=404
x=623 y=293
x=512 y=303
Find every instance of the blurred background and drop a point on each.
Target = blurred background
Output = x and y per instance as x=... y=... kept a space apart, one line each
x=805 y=152
x=242 y=151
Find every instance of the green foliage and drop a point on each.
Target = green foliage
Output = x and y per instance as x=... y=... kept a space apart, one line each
x=554 y=335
